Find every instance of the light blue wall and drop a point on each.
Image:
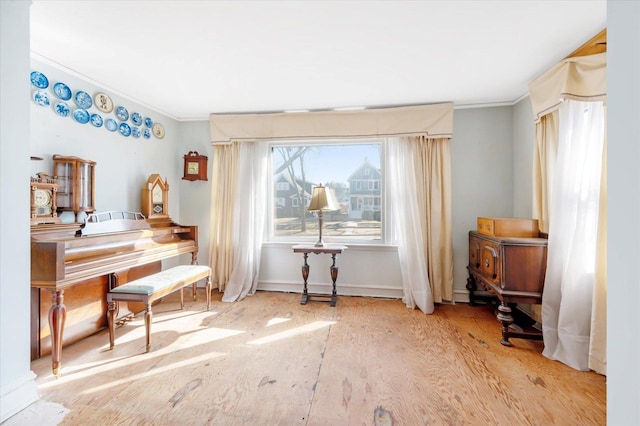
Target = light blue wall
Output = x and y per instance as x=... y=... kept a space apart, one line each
x=623 y=224
x=523 y=143
x=482 y=177
x=123 y=163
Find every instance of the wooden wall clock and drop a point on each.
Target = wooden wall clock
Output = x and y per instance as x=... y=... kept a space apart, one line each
x=155 y=198
x=44 y=191
x=195 y=166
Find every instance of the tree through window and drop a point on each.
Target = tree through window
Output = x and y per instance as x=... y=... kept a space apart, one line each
x=351 y=169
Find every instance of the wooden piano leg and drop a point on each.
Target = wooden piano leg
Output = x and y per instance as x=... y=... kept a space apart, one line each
x=57 y=317
x=111 y=321
x=147 y=324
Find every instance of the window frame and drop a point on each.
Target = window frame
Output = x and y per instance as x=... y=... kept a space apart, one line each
x=270 y=236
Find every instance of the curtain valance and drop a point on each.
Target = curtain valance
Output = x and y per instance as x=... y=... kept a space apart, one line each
x=431 y=120
x=581 y=78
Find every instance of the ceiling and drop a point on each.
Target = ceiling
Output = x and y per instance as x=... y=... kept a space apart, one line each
x=188 y=59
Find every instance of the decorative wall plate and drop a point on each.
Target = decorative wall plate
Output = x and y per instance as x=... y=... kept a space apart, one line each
x=136 y=119
x=62 y=109
x=125 y=130
x=103 y=102
x=135 y=131
x=62 y=91
x=39 y=80
x=41 y=98
x=81 y=115
x=148 y=122
x=83 y=99
x=158 y=130
x=122 y=113
x=146 y=133
x=96 y=120
x=111 y=125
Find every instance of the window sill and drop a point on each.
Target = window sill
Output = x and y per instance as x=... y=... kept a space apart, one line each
x=351 y=246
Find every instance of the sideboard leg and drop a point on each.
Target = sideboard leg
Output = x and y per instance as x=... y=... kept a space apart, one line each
x=504 y=316
x=471 y=286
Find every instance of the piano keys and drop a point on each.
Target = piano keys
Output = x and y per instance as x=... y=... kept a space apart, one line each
x=81 y=262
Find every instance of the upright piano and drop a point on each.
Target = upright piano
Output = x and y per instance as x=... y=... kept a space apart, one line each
x=73 y=266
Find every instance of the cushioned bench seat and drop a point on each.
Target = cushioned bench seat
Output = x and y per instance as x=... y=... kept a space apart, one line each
x=153 y=287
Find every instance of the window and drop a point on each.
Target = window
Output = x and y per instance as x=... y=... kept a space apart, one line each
x=283 y=186
x=352 y=169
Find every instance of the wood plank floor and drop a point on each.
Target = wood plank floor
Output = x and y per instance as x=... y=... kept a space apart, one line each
x=269 y=360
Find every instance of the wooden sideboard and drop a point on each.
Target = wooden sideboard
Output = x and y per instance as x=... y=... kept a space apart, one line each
x=511 y=268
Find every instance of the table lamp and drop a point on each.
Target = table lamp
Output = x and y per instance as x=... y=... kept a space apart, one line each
x=322 y=199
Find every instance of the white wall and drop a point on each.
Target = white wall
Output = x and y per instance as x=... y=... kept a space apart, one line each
x=623 y=224
x=17 y=385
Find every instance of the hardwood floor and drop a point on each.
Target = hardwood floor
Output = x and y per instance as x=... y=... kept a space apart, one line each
x=270 y=360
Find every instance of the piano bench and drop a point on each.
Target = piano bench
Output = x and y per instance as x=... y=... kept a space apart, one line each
x=153 y=287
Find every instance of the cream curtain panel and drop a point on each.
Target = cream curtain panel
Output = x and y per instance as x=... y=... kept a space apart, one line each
x=238 y=214
x=581 y=79
x=419 y=201
x=223 y=168
x=431 y=120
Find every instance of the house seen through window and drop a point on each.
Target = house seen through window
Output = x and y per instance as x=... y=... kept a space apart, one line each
x=351 y=169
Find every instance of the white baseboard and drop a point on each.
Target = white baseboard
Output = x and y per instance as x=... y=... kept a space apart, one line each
x=18 y=395
x=324 y=288
x=459 y=295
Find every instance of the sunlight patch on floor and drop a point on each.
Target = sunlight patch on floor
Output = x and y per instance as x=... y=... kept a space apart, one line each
x=149 y=373
x=275 y=321
x=316 y=325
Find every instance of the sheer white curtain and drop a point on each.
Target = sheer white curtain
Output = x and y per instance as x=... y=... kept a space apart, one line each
x=574 y=230
x=250 y=188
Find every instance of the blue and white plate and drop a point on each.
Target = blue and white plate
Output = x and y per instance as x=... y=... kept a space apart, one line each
x=136 y=119
x=111 y=125
x=148 y=122
x=146 y=133
x=41 y=98
x=62 y=91
x=135 y=131
x=122 y=113
x=62 y=109
x=125 y=130
x=83 y=99
x=96 y=120
x=81 y=115
x=39 y=80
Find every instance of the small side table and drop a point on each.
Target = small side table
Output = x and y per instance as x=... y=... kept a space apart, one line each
x=333 y=250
